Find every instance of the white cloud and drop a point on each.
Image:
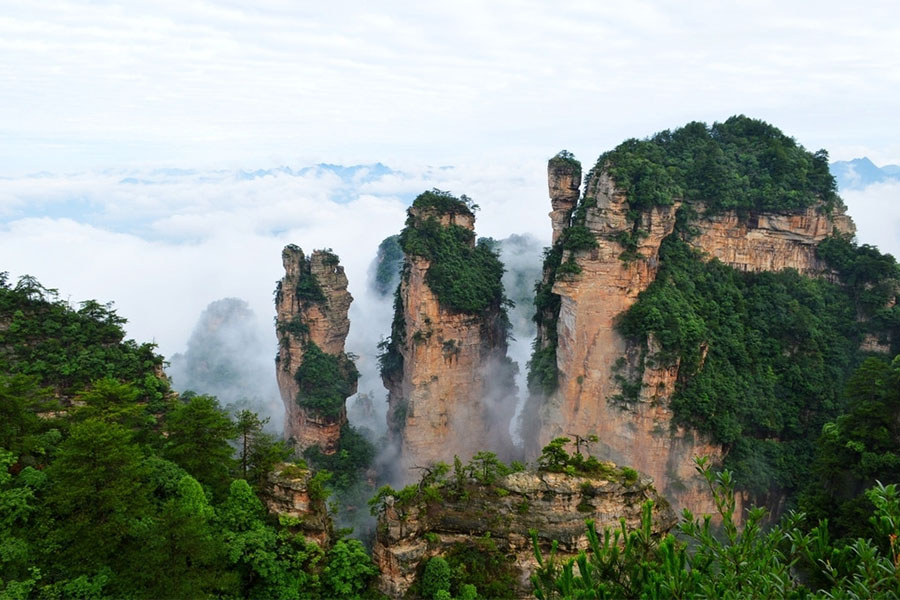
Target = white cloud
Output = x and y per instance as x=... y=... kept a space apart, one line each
x=876 y=212
x=165 y=247
x=203 y=82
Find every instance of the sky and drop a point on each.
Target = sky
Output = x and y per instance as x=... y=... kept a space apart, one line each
x=95 y=84
x=131 y=133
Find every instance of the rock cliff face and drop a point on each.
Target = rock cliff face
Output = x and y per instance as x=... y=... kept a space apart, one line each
x=590 y=351
x=450 y=390
x=311 y=304
x=564 y=177
x=289 y=494
x=554 y=504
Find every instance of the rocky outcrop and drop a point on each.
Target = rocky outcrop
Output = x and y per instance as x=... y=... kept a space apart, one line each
x=450 y=386
x=594 y=360
x=554 y=504
x=770 y=241
x=564 y=178
x=290 y=493
x=311 y=303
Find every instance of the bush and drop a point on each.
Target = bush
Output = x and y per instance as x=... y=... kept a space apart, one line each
x=436 y=578
x=780 y=562
x=325 y=380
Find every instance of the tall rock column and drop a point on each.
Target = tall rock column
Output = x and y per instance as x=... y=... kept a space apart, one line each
x=451 y=386
x=315 y=375
x=564 y=181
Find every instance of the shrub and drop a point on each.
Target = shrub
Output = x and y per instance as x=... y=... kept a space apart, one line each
x=436 y=578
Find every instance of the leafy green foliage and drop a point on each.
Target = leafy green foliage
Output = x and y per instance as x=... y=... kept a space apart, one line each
x=486 y=468
x=762 y=357
x=555 y=459
x=28 y=436
x=436 y=577
x=67 y=348
x=121 y=492
x=390 y=358
x=464 y=276
x=856 y=450
x=742 y=164
x=198 y=438
x=97 y=487
x=325 y=380
x=872 y=279
x=564 y=158
x=354 y=456
x=349 y=570
x=478 y=562
x=444 y=203
x=542 y=369
x=258 y=451
x=307 y=288
x=18 y=505
x=270 y=563
x=727 y=562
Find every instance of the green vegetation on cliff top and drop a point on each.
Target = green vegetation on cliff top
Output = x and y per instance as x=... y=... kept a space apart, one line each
x=742 y=164
x=464 y=276
x=763 y=357
x=67 y=348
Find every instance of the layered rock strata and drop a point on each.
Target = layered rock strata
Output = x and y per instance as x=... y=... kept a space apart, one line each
x=564 y=178
x=288 y=493
x=451 y=391
x=554 y=504
x=590 y=351
x=311 y=304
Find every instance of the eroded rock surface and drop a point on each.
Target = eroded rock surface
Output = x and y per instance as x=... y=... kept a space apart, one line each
x=452 y=392
x=288 y=494
x=554 y=504
x=593 y=358
x=311 y=305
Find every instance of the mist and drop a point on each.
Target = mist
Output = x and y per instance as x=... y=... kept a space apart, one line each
x=229 y=355
x=522 y=257
x=165 y=246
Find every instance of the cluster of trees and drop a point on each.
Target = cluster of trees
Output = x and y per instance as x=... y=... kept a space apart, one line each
x=325 y=380
x=110 y=490
x=465 y=276
x=763 y=357
x=787 y=560
x=742 y=164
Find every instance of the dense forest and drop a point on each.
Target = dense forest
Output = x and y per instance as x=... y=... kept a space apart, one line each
x=112 y=486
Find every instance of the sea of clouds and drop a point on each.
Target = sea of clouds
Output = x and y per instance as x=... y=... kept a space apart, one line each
x=164 y=244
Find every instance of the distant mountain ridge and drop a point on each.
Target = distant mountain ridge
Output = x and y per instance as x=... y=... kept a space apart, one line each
x=859 y=173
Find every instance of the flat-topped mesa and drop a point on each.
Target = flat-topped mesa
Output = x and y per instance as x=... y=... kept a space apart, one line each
x=564 y=182
x=315 y=375
x=451 y=387
x=493 y=518
x=586 y=377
